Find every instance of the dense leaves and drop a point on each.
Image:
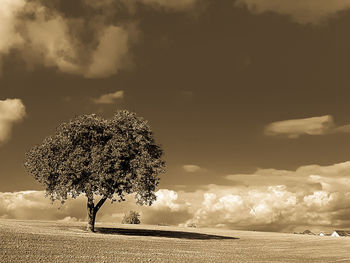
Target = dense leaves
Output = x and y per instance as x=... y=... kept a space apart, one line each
x=131 y=218
x=91 y=155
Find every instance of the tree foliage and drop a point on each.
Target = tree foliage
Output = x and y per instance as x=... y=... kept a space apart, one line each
x=94 y=156
x=131 y=218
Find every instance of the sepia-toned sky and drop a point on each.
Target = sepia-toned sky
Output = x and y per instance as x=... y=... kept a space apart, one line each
x=249 y=98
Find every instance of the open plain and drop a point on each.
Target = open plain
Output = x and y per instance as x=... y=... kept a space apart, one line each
x=49 y=241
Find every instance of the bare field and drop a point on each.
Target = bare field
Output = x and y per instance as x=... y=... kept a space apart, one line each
x=46 y=241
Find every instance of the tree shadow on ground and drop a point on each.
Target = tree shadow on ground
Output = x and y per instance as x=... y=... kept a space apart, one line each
x=159 y=233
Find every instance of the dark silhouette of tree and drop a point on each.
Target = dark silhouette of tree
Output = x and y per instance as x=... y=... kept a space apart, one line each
x=131 y=218
x=97 y=157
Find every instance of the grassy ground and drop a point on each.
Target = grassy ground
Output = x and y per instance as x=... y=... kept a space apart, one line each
x=44 y=241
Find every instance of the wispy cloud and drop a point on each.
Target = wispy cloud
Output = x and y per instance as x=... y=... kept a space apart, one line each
x=109 y=98
x=303 y=12
x=192 y=168
x=306 y=126
x=11 y=111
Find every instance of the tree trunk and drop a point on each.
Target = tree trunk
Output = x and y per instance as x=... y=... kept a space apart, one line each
x=91 y=215
x=92 y=211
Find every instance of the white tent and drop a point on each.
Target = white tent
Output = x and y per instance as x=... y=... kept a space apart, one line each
x=341 y=233
x=335 y=234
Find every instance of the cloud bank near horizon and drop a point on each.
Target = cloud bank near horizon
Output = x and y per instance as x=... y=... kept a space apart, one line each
x=313 y=196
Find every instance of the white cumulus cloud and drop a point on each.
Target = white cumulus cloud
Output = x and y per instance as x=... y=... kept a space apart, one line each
x=311 y=197
x=166 y=199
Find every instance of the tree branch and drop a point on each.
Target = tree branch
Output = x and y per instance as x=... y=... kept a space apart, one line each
x=100 y=203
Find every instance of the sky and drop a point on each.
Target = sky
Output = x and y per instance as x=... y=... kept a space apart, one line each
x=248 y=98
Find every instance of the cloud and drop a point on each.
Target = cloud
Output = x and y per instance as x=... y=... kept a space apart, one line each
x=99 y=4
x=88 y=44
x=45 y=35
x=192 y=168
x=11 y=111
x=246 y=209
x=303 y=12
x=7 y=27
x=311 y=197
x=68 y=219
x=8 y=12
x=168 y=209
x=166 y=199
x=54 y=40
x=307 y=126
x=33 y=205
x=308 y=177
x=174 y=4
x=109 y=98
x=319 y=199
x=132 y=5
x=9 y=37
x=49 y=38
x=108 y=58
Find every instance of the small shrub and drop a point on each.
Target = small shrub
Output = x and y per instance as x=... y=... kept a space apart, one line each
x=307 y=232
x=131 y=218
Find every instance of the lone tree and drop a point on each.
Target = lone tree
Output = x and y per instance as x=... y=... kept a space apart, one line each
x=97 y=157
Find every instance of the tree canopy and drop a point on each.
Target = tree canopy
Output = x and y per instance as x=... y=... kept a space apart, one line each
x=95 y=156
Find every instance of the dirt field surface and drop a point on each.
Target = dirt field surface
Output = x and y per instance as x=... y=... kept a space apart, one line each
x=45 y=241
